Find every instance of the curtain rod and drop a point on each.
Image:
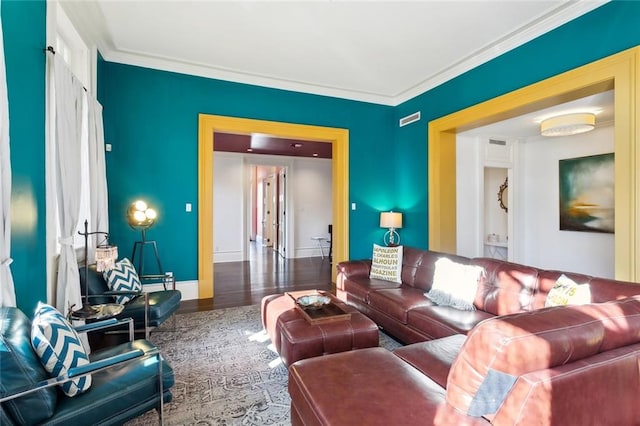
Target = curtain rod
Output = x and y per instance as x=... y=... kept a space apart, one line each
x=52 y=50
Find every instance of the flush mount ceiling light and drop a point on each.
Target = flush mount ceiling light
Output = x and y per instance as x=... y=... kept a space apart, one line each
x=569 y=124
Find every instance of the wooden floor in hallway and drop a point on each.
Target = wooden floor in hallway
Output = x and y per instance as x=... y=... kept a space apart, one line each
x=247 y=282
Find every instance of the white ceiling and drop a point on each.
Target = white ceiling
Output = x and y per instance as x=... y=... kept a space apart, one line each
x=384 y=52
x=527 y=127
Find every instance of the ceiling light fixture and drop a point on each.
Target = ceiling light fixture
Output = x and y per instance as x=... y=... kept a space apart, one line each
x=569 y=124
x=296 y=145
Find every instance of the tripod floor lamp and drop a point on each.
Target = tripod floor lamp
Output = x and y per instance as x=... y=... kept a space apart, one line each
x=140 y=217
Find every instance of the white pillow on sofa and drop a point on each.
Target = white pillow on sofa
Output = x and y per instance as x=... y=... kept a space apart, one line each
x=386 y=263
x=567 y=292
x=455 y=284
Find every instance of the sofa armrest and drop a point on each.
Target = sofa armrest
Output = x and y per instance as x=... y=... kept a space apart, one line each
x=352 y=268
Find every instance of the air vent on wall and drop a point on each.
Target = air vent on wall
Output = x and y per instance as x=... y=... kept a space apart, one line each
x=497 y=142
x=411 y=118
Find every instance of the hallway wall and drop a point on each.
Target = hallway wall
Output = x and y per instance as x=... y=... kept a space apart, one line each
x=309 y=199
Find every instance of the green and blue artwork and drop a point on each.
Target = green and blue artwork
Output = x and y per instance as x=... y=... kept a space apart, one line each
x=587 y=193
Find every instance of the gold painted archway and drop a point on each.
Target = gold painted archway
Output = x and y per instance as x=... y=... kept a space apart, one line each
x=618 y=72
x=208 y=124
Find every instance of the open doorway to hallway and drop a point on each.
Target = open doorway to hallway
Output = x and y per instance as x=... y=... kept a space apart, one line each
x=267 y=208
x=210 y=125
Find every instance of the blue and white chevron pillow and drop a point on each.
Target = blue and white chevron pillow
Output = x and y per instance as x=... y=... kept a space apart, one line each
x=59 y=347
x=123 y=277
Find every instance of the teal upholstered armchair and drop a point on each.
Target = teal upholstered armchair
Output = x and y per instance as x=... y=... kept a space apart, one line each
x=148 y=309
x=127 y=380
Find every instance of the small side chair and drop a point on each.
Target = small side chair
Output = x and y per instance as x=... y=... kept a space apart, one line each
x=147 y=309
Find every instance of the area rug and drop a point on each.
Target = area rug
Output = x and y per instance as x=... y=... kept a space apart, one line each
x=225 y=369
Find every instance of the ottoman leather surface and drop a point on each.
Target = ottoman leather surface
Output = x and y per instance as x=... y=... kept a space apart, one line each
x=294 y=338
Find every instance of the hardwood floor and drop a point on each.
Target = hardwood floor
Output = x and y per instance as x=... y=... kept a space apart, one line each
x=246 y=283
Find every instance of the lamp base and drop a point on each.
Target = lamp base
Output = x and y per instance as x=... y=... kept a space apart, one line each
x=87 y=311
x=391 y=238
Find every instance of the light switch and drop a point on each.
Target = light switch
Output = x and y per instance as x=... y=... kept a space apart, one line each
x=353 y=206
x=187 y=207
x=107 y=147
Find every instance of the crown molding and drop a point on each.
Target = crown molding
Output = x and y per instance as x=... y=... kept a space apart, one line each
x=539 y=27
x=90 y=22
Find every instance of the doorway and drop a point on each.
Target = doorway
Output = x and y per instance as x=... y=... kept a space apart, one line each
x=618 y=73
x=208 y=124
x=268 y=224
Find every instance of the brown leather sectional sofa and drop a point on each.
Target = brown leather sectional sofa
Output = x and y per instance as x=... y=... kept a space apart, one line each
x=403 y=311
x=569 y=365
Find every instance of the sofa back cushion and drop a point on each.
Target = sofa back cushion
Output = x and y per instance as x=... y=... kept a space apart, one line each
x=418 y=266
x=506 y=288
x=602 y=289
x=20 y=367
x=501 y=349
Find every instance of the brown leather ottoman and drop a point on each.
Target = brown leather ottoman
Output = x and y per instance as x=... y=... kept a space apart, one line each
x=295 y=338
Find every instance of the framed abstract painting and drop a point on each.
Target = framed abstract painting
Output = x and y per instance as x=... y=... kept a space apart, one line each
x=587 y=193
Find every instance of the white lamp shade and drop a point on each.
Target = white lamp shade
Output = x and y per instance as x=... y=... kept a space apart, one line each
x=391 y=220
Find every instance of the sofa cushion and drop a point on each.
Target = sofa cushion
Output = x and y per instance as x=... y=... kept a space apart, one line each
x=397 y=302
x=20 y=367
x=59 y=347
x=361 y=287
x=455 y=284
x=123 y=277
x=386 y=263
x=418 y=266
x=441 y=321
x=567 y=292
x=506 y=287
x=372 y=386
x=434 y=357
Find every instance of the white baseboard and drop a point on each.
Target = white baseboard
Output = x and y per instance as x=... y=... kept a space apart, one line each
x=310 y=252
x=227 y=256
x=189 y=289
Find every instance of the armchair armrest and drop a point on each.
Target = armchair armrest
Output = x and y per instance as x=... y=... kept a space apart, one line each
x=155 y=278
x=109 y=323
x=85 y=370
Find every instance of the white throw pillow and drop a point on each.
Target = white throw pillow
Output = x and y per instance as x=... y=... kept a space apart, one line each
x=567 y=292
x=455 y=284
x=386 y=263
x=59 y=347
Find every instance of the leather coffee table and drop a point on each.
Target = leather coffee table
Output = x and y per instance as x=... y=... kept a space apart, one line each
x=296 y=338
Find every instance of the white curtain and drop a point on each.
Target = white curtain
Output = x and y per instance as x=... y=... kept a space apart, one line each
x=99 y=215
x=68 y=94
x=7 y=290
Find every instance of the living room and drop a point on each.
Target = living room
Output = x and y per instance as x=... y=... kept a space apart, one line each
x=151 y=121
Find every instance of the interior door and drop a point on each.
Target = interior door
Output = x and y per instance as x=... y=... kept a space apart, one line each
x=282 y=212
x=268 y=216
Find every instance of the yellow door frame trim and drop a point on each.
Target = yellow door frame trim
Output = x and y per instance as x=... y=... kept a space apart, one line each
x=618 y=72
x=208 y=124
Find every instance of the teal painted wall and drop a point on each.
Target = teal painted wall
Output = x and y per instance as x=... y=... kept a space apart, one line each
x=23 y=27
x=151 y=120
x=609 y=29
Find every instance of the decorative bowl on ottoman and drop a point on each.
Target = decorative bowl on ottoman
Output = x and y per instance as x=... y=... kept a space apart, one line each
x=313 y=301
